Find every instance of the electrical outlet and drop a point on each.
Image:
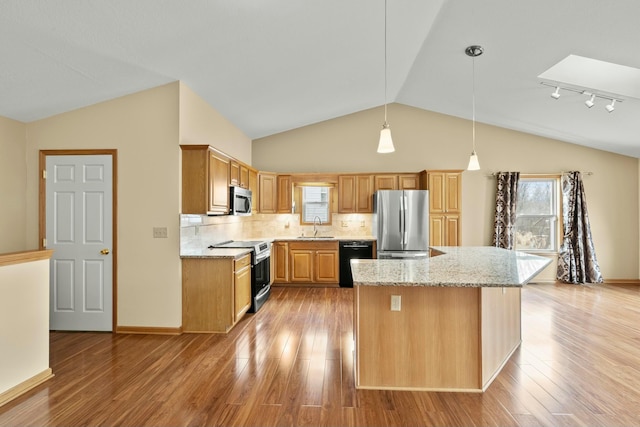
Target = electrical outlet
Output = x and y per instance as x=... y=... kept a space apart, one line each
x=395 y=302
x=159 y=232
x=362 y=223
x=344 y=224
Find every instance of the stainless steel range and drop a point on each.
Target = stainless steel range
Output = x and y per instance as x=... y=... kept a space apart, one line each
x=260 y=269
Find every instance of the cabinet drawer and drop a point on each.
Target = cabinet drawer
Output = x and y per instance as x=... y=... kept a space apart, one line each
x=239 y=264
x=314 y=245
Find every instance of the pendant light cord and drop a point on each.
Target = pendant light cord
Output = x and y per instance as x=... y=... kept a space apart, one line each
x=473 y=104
x=385 y=62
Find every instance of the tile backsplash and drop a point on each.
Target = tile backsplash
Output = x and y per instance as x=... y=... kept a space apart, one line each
x=200 y=231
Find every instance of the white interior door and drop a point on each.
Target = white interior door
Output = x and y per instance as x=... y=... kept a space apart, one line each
x=79 y=228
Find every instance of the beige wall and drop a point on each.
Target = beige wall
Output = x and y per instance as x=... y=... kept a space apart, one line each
x=13 y=175
x=427 y=140
x=143 y=127
x=202 y=124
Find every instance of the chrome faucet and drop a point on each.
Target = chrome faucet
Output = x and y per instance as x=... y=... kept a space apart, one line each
x=315 y=231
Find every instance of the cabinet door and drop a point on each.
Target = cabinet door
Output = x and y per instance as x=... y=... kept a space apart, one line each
x=284 y=193
x=255 y=192
x=436 y=230
x=327 y=266
x=436 y=192
x=386 y=182
x=268 y=193
x=281 y=262
x=364 y=193
x=244 y=176
x=452 y=225
x=218 y=184
x=301 y=262
x=408 y=182
x=234 y=173
x=347 y=194
x=453 y=187
x=242 y=292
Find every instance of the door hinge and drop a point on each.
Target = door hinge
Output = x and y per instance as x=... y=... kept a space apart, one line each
x=44 y=243
x=44 y=174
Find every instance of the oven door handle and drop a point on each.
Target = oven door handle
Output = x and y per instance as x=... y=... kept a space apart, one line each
x=261 y=258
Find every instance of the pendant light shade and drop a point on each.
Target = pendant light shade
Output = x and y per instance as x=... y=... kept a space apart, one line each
x=474 y=165
x=473 y=51
x=385 y=145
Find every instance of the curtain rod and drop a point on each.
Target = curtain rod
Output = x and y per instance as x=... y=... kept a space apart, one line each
x=546 y=174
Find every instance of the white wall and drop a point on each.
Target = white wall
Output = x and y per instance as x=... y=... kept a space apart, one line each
x=201 y=124
x=13 y=175
x=24 y=323
x=427 y=140
x=143 y=127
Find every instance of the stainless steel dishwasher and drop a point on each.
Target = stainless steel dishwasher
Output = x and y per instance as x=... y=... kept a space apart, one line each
x=352 y=249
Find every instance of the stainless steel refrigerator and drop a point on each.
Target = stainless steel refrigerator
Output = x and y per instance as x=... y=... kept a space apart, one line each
x=401 y=223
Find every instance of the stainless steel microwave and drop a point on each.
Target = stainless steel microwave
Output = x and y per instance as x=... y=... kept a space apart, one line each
x=239 y=201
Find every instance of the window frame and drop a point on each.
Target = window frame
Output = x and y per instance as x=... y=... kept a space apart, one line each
x=303 y=204
x=556 y=215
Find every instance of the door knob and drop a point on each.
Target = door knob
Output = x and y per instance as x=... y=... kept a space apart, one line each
x=105 y=252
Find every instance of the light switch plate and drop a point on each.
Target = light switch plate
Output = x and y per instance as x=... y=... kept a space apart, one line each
x=159 y=232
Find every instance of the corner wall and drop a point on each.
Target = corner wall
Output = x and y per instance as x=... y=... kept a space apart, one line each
x=428 y=140
x=143 y=127
x=13 y=175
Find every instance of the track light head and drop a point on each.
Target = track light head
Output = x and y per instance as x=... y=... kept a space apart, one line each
x=556 y=94
x=589 y=102
x=611 y=107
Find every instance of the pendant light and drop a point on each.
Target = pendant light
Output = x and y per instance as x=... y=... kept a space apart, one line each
x=473 y=51
x=386 y=143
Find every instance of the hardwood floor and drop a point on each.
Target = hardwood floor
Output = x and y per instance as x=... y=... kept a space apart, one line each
x=291 y=364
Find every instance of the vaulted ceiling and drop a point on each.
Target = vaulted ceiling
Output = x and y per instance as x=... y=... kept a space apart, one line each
x=271 y=66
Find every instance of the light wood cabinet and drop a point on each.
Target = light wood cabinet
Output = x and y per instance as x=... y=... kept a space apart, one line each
x=216 y=293
x=284 y=193
x=309 y=262
x=244 y=176
x=386 y=182
x=205 y=180
x=445 y=195
x=355 y=193
x=268 y=190
x=280 y=262
x=409 y=181
x=255 y=190
x=234 y=173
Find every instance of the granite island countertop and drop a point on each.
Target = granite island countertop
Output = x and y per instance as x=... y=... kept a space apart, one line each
x=455 y=266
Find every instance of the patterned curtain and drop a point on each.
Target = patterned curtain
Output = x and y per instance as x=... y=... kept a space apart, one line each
x=577 y=262
x=505 y=219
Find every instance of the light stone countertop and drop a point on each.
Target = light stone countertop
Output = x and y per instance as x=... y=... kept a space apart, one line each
x=459 y=266
x=215 y=253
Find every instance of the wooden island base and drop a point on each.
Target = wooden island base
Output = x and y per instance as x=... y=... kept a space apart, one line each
x=442 y=339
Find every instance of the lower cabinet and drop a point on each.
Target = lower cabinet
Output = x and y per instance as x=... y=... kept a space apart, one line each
x=216 y=293
x=307 y=262
x=444 y=230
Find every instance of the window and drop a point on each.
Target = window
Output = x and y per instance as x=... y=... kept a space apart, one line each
x=537 y=214
x=315 y=203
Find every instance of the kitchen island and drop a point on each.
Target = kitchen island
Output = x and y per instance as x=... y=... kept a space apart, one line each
x=445 y=323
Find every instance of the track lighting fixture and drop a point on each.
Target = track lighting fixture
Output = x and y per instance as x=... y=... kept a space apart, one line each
x=589 y=102
x=586 y=91
x=611 y=107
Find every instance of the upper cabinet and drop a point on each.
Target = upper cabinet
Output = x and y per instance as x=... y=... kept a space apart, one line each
x=445 y=195
x=255 y=190
x=409 y=181
x=205 y=181
x=268 y=190
x=386 y=182
x=284 y=193
x=355 y=193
